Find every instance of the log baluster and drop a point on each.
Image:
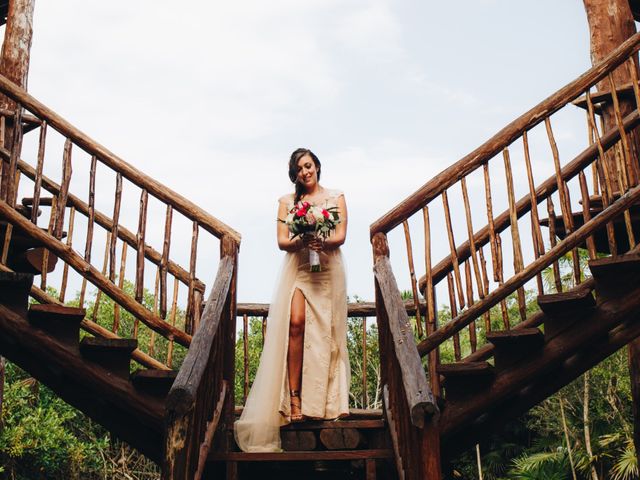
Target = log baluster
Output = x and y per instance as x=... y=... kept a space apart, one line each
x=518 y=261
x=452 y=247
x=166 y=245
x=140 y=238
x=173 y=315
x=603 y=174
x=37 y=186
x=45 y=255
x=473 y=341
x=536 y=231
x=412 y=274
x=365 y=399
x=485 y=282
x=114 y=229
x=586 y=213
x=431 y=318
x=192 y=277
x=152 y=336
x=492 y=230
x=630 y=170
x=91 y=213
x=65 y=270
x=64 y=190
x=245 y=344
x=105 y=262
x=9 y=229
x=454 y=313
x=553 y=242
x=472 y=243
x=116 y=307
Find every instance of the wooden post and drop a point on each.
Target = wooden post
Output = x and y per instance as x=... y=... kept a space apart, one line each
x=610 y=24
x=14 y=63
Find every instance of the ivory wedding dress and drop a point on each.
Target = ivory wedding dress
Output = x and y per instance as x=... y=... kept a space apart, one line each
x=325 y=367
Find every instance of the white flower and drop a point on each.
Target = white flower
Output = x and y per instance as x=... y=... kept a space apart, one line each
x=317 y=213
x=311 y=219
x=289 y=219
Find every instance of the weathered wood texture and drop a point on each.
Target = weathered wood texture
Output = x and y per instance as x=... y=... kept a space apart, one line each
x=14 y=65
x=199 y=397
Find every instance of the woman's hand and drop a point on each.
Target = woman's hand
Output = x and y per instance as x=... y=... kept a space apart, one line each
x=313 y=243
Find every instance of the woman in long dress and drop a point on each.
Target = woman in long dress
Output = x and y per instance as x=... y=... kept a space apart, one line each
x=304 y=368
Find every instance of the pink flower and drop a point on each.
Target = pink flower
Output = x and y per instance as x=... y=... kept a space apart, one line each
x=325 y=213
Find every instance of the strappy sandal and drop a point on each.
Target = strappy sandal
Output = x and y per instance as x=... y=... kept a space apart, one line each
x=298 y=417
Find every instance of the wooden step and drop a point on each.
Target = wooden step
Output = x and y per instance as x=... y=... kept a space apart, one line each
x=26 y=211
x=154 y=382
x=510 y=346
x=624 y=91
x=43 y=202
x=563 y=309
x=463 y=379
x=14 y=291
x=31 y=261
x=615 y=275
x=20 y=241
x=600 y=236
x=112 y=354
x=302 y=455
x=61 y=321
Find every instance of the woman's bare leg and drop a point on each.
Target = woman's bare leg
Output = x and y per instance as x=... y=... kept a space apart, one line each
x=296 y=346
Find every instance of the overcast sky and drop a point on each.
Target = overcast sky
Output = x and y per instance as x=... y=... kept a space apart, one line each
x=211 y=97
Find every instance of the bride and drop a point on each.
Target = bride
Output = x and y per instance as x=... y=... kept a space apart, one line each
x=304 y=368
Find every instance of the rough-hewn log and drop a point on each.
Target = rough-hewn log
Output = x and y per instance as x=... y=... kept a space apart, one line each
x=341 y=438
x=293 y=441
x=14 y=64
x=506 y=136
x=155 y=188
x=184 y=390
x=419 y=398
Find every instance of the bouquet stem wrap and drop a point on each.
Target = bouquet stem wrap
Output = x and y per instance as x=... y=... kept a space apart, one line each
x=314 y=261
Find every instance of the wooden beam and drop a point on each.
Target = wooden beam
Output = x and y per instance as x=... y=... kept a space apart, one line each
x=354 y=309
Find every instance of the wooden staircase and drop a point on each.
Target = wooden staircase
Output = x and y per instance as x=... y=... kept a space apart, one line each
x=490 y=355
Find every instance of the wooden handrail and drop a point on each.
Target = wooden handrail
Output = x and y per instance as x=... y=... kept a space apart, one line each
x=354 y=309
x=523 y=206
x=571 y=241
x=503 y=138
x=160 y=191
x=184 y=389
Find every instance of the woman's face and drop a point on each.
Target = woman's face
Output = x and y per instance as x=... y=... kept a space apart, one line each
x=307 y=172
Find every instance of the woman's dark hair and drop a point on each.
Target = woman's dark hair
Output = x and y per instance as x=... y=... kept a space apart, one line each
x=293 y=169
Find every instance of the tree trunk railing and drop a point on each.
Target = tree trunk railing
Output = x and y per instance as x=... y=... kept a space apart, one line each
x=202 y=393
x=483 y=273
x=155 y=293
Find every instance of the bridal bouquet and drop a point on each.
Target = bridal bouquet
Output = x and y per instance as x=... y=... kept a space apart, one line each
x=305 y=218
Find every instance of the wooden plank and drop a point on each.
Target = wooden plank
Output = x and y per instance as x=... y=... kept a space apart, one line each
x=419 y=397
x=354 y=310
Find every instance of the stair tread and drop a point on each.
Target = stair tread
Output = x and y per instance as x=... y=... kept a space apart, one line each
x=601 y=265
x=600 y=96
x=303 y=455
x=578 y=299
x=62 y=312
x=17 y=279
x=108 y=344
x=520 y=335
x=466 y=369
x=44 y=201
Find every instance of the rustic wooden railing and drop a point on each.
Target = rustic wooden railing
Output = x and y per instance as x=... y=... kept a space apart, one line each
x=594 y=193
x=91 y=180
x=369 y=393
x=202 y=393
